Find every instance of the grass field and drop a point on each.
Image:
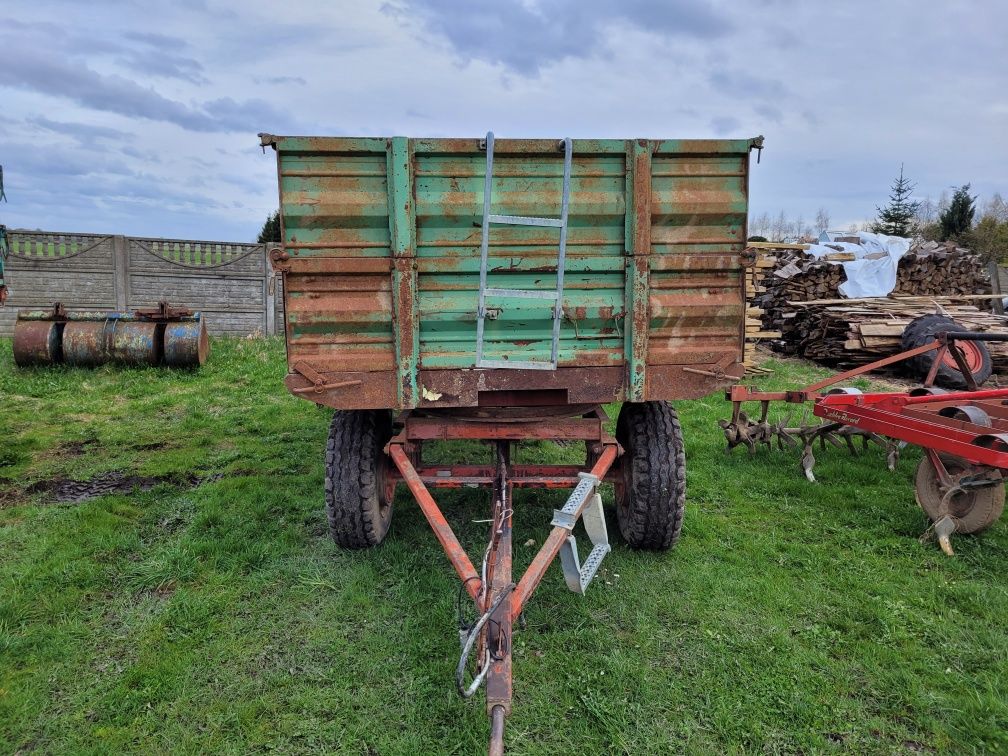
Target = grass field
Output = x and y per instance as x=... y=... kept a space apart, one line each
x=212 y=613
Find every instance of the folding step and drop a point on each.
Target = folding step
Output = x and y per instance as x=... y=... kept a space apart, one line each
x=577 y=575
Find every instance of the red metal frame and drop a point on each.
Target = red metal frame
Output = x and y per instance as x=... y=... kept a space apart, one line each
x=944 y=344
x=893 y=415
x=405 y=452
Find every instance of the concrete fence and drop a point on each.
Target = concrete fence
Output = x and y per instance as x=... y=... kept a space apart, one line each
x=230 y=282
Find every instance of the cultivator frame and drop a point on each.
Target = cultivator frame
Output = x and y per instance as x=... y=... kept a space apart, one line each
x=498 y=599
x=966 y=430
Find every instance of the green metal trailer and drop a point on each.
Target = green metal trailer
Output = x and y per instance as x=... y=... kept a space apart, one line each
x=381 y=268
x=502 y=291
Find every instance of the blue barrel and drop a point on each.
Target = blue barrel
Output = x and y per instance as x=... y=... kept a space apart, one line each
x=186 y=344
x=91 y=343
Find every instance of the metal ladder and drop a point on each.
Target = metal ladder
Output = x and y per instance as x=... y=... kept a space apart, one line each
x=484 y=291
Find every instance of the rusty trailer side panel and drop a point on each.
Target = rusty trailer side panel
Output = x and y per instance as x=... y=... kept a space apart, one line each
x=381 y=261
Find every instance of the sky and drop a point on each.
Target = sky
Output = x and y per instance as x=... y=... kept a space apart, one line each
x=140 y=118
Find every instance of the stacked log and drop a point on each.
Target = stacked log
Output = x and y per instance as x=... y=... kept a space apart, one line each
x=861 y=331
x=804 y=314
x=754 y=332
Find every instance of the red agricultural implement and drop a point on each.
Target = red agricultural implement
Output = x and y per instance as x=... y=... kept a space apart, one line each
x=964 y=434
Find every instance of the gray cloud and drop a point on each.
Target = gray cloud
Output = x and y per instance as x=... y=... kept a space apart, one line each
x=82 y=132
x=742 y=84
x=723 y=125
x=526 y=38
x=34 y=70
x=280 y=80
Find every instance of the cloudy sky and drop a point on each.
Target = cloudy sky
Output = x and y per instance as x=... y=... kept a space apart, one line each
x=140 y=118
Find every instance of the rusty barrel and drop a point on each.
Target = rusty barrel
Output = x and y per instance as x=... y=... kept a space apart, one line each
x=186 y=344
x=38 y=343
x=87 y=339
x=115 y=339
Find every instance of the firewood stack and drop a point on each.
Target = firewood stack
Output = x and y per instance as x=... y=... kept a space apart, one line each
x=804 y=314
x=846 y=335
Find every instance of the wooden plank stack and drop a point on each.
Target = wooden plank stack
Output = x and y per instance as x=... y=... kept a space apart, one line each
x=803 y=313
x=754 y=332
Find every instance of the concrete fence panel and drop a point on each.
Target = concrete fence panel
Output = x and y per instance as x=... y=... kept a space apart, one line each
x=230 y=282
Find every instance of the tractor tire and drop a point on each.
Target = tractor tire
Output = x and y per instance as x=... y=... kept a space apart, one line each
x=358 y=486
x=922 y=330
x=651 y=492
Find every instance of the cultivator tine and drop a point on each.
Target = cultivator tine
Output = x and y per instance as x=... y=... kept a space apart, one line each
x=808 y=462
x=892 y=453
x=741 y=430
x=785 y=435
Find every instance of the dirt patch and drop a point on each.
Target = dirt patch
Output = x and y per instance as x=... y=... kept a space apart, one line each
x=76 y=448
x=65 y=491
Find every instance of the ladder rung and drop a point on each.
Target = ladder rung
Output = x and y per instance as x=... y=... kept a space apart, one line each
x=517 y=364
x=525 y=220
x=521 y=293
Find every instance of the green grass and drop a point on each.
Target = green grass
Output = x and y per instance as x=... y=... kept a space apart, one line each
x=791 y=617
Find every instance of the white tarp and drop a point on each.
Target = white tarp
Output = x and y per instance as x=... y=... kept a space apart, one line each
x=873 y=271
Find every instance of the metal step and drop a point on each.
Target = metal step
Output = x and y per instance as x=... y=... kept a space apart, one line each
x=520 y=293
x=526 y=220
x=586 y=499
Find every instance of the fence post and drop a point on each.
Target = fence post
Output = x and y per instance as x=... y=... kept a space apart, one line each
x=995 y=276
x=120 y=254
x=270 y=299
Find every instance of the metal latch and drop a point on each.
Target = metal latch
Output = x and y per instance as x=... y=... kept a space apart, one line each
x=318 y=380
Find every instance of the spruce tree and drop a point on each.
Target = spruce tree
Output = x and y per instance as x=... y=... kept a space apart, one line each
x=896 y=218
x=271 y=229
x=958 y=217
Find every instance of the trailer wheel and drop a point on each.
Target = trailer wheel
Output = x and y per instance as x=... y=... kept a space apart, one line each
x=651 y=492
x=922 y=330
x=358 y=486
x=972 y=511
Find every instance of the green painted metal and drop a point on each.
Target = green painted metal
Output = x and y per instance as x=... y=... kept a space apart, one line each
x=652 y=276
x=402 y=232
x=638 y=247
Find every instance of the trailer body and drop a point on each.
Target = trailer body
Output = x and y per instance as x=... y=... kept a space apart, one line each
x=380 y=263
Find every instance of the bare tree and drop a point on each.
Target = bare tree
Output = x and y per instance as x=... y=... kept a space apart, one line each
x=996 y=207
x=779 y=227
x=943 y=203
x=822 y=220
x=926 y=213
x=760 y=225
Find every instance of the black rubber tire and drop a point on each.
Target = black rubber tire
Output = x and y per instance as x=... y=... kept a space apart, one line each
x=358 y=500
x=651 y=498
x=921 y=330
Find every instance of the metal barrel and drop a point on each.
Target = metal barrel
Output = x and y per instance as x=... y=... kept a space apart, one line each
x=84 y=343
x=134 y=343
x=186 y=344
x=87 y=344
x=37 y=343
x=164 y=336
